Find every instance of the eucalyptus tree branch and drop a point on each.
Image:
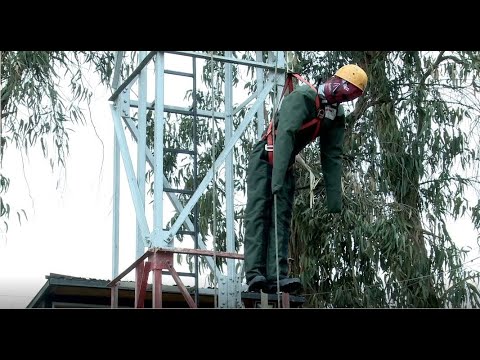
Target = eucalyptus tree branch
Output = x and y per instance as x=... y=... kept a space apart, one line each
x=451 y=178
x=429 y=233
x=1 y=107
x=1 y=110
x=454 y=59
x=432 y=67
x=362 y=105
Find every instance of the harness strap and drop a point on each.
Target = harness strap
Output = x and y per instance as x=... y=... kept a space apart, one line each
x=269 y=134
x=310 y=123
x=317 y=98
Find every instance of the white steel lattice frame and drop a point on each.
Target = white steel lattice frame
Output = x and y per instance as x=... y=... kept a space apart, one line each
x=156 y=244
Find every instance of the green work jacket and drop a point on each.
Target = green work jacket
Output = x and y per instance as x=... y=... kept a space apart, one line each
x=297 y=108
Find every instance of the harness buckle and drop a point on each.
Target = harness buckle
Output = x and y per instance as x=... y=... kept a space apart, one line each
x=268 y=147
x=321 y=113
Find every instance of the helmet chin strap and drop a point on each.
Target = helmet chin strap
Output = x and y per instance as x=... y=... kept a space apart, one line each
x=321 y=93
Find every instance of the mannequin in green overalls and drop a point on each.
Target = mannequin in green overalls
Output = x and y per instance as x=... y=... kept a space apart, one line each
x=267 y=183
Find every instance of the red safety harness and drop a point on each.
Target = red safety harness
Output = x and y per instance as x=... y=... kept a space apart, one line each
x=314 y=122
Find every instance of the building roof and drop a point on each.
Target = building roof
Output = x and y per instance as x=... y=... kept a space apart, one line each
x=71 y=291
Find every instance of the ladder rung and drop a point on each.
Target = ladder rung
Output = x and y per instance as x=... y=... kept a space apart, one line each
x=186 y=232
x=180 y=191
x=179 y=151
x=178 y=111
x=181 y=73
x=166 y=272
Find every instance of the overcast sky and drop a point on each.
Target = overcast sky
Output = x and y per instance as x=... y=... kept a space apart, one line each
x=69 y=224
x=69 y=227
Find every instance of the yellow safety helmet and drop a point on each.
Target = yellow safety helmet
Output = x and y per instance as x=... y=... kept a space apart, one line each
x=354 y=74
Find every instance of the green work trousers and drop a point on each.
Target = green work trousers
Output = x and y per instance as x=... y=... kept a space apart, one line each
x=260 y=251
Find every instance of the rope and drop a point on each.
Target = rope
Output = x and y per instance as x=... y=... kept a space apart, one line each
x=275 y=195
x=214 y=189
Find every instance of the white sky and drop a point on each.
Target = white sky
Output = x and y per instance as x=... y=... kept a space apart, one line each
x=69 y=224
x=69 y=227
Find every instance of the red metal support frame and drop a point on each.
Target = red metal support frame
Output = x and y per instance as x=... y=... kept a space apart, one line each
x=158 y=260
x=114 y=296
x=143 y=271
x=162 y=259
x=181 y=286
x=285 y=300
x=139 y=269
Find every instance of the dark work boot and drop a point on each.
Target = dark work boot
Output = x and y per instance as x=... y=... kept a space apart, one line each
x=257 y=283
x=287 y=285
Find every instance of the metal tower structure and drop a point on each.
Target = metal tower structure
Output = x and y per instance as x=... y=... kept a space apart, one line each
x=155 y=246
